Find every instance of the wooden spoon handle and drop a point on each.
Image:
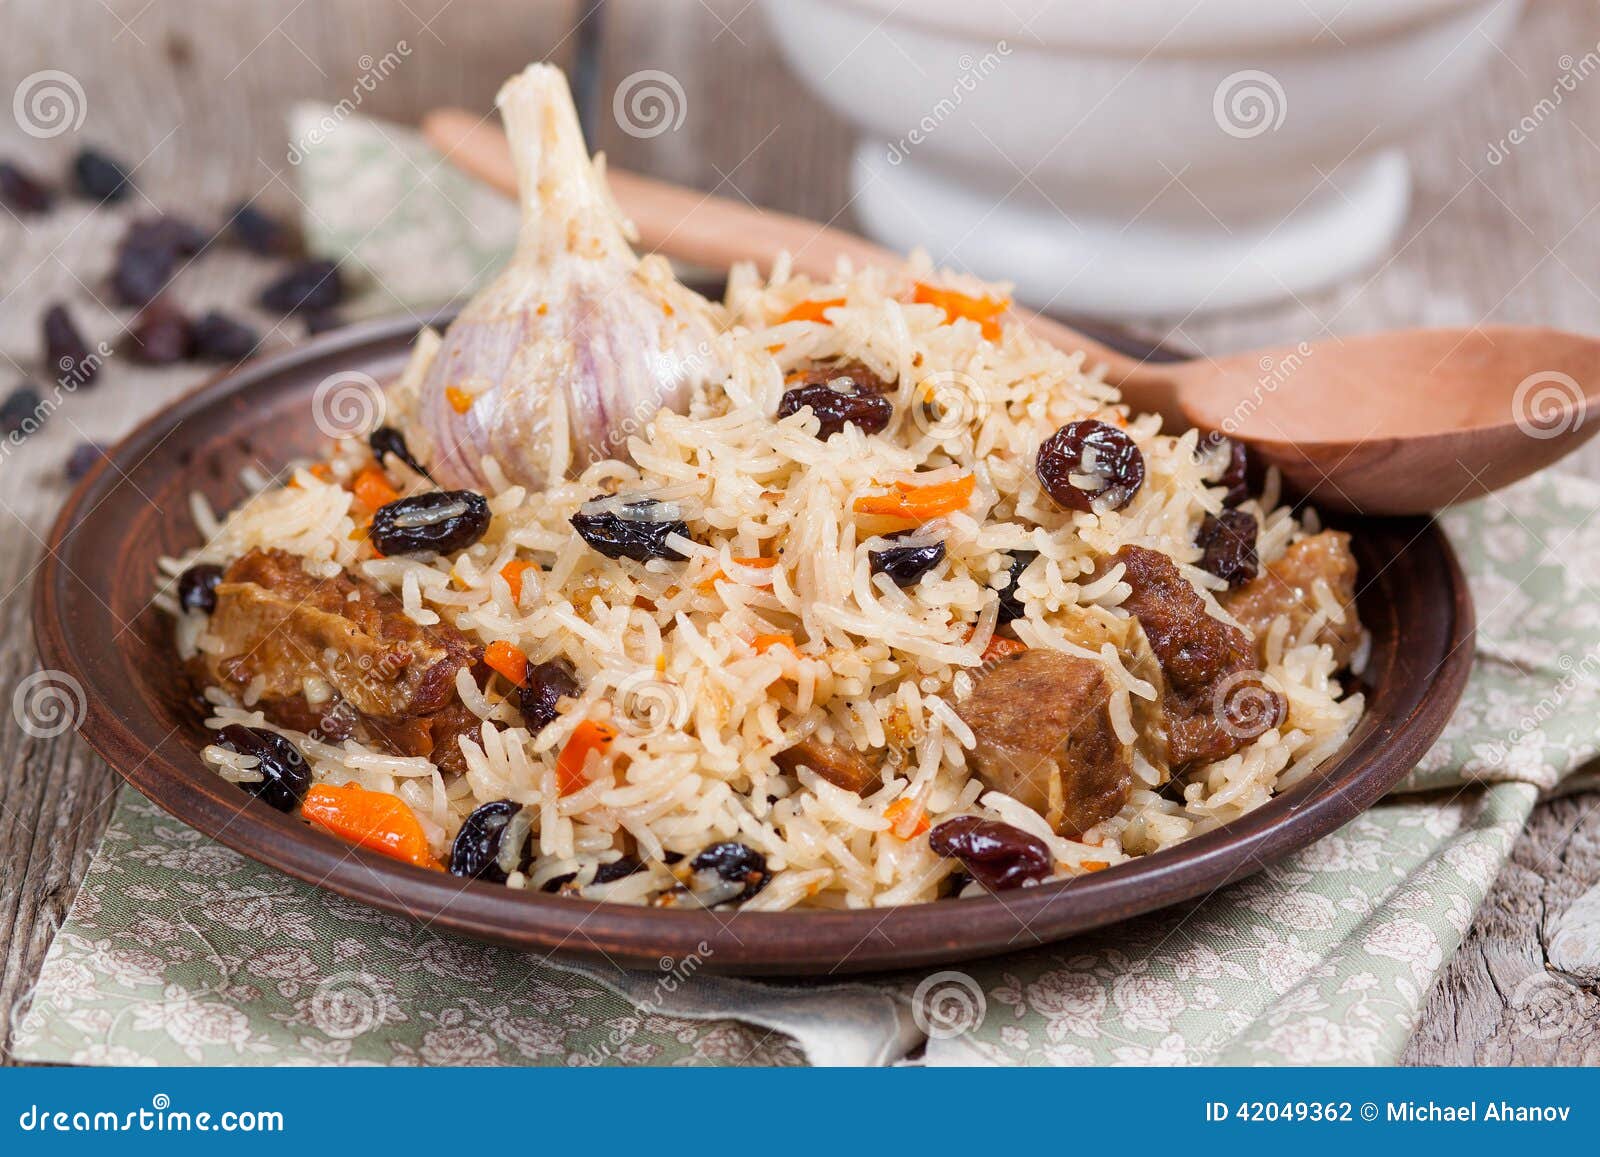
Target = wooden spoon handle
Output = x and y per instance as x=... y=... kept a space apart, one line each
x=704 y=229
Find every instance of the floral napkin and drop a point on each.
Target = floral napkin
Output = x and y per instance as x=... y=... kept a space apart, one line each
x=178 y=951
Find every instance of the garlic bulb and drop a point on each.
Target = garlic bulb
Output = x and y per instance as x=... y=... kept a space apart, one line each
x=578 y=341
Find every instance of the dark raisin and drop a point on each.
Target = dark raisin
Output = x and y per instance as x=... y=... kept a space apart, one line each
x=630 y=532
x=546 y=683
x=476 y=851
x=386 y=440
x=440 y=520
x=99 y=177
x=906 y=564
x=219 y=338
x=160 y=336
x=321 y=321
x=308 y=285
x=729 y=872
x=840 y=395
x=1228 y=545
x=83 y=458
x=179 y=235
x=262 y=233
x=21 y=191
x=22 y=412
x=558 y=883
x=197 y=587
x=1102 y=455
x=619 y=869
x=140 y=274
x=1235 y=475
x=997 y=855
x=1011 y=604
x=65 y=350
x=286 y=777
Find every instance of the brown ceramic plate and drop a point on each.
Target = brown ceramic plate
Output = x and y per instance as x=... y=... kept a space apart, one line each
x=94 y=620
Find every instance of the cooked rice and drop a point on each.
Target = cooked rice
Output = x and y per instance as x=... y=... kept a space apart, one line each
x=666 y=655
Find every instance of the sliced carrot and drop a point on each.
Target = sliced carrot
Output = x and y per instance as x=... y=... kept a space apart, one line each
x=512 y=573
x=501 y=656
x=985 y=311
x=460 y=400
x=811 y=311
x=591 y=735
x=1000 y=647
x=370 y=819
x=764 y=643
x=775 y=349
x=897 y=812
x=372 y=489
x=718 y=576
x=1094 y=865
x=919 y=503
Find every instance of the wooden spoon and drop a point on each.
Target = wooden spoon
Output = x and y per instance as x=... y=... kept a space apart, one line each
x=1403 y=422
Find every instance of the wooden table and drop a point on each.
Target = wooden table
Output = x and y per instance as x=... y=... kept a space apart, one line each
x=196 y=93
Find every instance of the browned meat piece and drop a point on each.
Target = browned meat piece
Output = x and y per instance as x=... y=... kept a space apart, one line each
x=1215 y=700
x=280 y=624
x=1042 y=721
x=432 y=736
x=842 y=766
x=1288 y=587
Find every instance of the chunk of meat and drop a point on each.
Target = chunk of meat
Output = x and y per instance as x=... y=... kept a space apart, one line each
x=1292 y=587
x=290 y=629
x=1042 y=722
x=1216 y=701
x=338 y=657
x=842 y=766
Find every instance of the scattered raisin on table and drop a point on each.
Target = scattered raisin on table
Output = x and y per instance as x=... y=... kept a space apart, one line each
x=220 y=338
x=997 y=855
x=65 y=349
x=100 y=177
x=160 y=336
x=440 y=520
x=307 y=286
x=261 y=233
x=83 y=458
x=21 y=191
x=1107 y=461
x=840 y=395
x=20 y=413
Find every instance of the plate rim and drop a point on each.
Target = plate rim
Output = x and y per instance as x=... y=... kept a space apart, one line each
x=780 y=943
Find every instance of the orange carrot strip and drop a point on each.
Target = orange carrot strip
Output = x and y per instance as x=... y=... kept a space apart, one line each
x=512 y=573
x=372 y=489
x=370 y=819
x=501 y=656
x=985 y=311
x=591 y=735
x=1094 y=865
x=1000 y=648
x=811 y=311
x=754 y=563
x=919 y=503
x=460 y=400
x=764 y=643
x=897 y=812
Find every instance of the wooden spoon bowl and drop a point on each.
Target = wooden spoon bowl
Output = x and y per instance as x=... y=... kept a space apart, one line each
x=1403 y=422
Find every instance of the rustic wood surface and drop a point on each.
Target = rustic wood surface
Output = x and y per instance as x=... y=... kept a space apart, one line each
x=195 y=92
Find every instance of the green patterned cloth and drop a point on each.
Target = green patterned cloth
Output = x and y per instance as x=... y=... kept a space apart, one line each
x=178 y=951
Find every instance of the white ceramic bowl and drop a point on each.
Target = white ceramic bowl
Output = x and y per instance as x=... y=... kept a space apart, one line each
x=1126 y=157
